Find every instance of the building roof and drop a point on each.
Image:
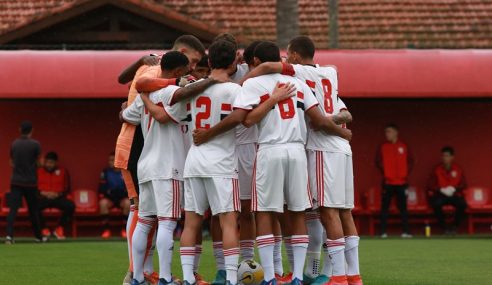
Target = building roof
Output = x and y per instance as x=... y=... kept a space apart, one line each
x=362 y=23
x=393 y=73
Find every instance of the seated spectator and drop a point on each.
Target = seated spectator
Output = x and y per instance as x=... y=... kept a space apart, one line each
x=446 y=186
x=113 y=193
x=54 y=186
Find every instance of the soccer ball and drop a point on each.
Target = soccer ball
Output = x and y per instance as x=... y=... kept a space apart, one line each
x=249 y=272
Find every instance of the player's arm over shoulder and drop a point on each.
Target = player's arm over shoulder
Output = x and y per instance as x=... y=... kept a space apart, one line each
x=264 y=68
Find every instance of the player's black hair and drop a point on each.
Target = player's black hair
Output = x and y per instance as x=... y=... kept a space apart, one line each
x=303 y=45
x=448 y=149
x=173 y=59
x=191 y=42
x=221 y=54
x=228 y=37
x=51 y=156
x=26 y=127
x=203 y=62
x=267 y=51
x=391 y=126
x=249 y=52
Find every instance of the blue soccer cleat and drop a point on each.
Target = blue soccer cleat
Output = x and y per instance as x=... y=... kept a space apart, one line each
x=220 y=278
x=296 y=281
x=320 y=280
x=271 y=282
x=135 y=282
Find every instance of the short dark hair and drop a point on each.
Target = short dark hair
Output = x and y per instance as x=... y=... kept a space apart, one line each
x=448 y=149
x=222 y=54
x=192 y=42
x=249 y=52
x=267 y=51
x=51 y=156
x=303 y=45
x=173 y=59
x=391 y=126
x=228 y=37
x=26 y=127
x=203 y=62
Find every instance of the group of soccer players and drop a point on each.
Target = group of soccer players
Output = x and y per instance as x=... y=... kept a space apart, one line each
x=260 y=142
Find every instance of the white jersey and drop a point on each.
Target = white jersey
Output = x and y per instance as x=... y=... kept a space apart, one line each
x=217 y=157
x=285 y=123
x=244 y=135
x=323 y=80
x=163 y=151
x=185 y=125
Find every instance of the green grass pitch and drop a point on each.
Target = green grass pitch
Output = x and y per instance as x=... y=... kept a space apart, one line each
x=383 y=262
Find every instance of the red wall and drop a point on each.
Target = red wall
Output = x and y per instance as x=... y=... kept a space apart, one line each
x=83 y=132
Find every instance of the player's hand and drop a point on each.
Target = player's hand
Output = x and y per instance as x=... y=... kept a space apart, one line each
x=150 y=60
x=283 y=91
x=347 y=134
x=124 y=105
x=200 y=136
x=219 y=75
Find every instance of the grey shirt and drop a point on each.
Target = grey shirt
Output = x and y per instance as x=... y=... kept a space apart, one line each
x=24 y=153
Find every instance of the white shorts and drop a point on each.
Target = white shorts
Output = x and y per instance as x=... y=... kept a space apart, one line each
x=280 y=177
x=246 y=154
x=160 y=197
x=220 y=194
x=331 y=179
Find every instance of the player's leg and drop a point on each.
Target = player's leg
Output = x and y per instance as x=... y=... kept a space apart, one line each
x=267 y=200
x=124 y=205
x=223 y=195
x=460 y=205
x=401 y=197
x=131 y=184
x=246 y=158
x=105 y=205
x=31 y=196
x=315 y=232
x=68 y=208
x=43 y=204
x=278 y=230
x=196 y=203
x=218 y=250
x=146 y=222
x=298 y=199
x=349 y=228
x=386 y=195
x=167 y=193
x=331 y=197
x=148 y=268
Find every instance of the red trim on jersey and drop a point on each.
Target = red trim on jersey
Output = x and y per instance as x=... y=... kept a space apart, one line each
x=343 y=109
x=188 y=106
x=248 y=110
x=315 y=105
x=310 y=83
x=226 y=107
x=300 y=95
x=171 y=117
x=288 y=69
x=264 y=97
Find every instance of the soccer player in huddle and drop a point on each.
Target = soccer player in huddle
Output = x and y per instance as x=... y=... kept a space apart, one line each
x=330 y=171
x=130 y=141
x=281 y=164
x=160 y=167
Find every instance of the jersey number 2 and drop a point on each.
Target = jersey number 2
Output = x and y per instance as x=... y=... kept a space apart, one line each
x=205 y=114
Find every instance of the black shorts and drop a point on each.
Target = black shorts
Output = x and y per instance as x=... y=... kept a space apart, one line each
x=135 y=152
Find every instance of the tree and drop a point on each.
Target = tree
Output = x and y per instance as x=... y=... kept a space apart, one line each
x=287 y=21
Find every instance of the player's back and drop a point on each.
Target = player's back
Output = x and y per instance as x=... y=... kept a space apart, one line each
x=285 y=123
x=217 y=157
x=163 y=153
x=323 y=81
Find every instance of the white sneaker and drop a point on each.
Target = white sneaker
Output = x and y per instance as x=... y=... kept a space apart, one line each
x=128 y=278
x=384 y=235
x=9 y=240
x=406 y=235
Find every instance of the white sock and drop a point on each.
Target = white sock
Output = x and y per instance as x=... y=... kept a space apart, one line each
x=231 y=257
x=139 y=245
x=352 y=255
x=165 y=245
x=187 y=262
x=327 y=268
x=315 y=232
x=265 y=246
x=299 y=249
x=336 y=250
x=247 y=248
x=128 y=225
x=149 y=259
x=288 y=251
x=277 y=256
x=198 y=255
x=219 y=255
